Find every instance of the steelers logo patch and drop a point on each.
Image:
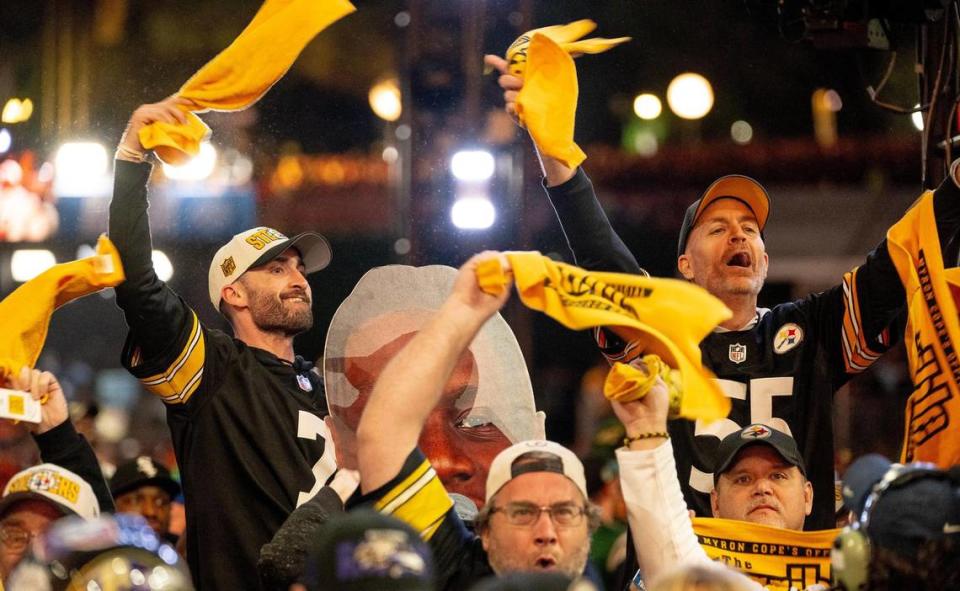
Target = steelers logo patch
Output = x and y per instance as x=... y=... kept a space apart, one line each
x=755 y=432
x=789 y=336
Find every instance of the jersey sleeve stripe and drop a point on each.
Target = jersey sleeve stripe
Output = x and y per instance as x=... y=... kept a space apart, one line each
x=857 y=354
x=182 y=378
x=419 y=500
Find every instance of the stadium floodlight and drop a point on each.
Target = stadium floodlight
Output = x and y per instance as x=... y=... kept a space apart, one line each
x=28 y=263
x=472 y=165
x=473 y=213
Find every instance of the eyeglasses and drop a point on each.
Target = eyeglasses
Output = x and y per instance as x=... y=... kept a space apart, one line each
x=562 y=514
x=15 y=537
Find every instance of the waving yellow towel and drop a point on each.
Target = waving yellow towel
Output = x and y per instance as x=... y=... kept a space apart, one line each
x=547 y=103
x=665 y=317
x=244 y=71
x=25 y=313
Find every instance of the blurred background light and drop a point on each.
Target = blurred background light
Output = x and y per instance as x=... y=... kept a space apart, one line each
x=197 y=169
x=385 y=100
x=17 y=111
x=647 y=106
x=162 y=265
x=473 y=213
x=741 y=132
x=690 y=96
x=28 y=263
x=472 y=165
x=80 y=169
x=5 y=140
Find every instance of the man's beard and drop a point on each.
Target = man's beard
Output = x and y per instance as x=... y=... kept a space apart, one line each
x=270 y=314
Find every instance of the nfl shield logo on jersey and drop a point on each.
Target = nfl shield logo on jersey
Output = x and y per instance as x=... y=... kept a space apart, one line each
x=738 y=353
x=304 y=382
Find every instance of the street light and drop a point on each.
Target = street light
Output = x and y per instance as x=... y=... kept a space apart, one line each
x=690 y=96
x=385 y=100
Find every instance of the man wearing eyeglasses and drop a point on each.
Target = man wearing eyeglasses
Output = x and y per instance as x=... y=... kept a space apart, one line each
x=536 y=516
x=32 y=500
x=143 y=486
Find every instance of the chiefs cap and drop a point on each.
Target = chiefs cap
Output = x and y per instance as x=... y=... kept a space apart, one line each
x=733 y=186
x=258 y=246
x=756 y=434
x=536 y=455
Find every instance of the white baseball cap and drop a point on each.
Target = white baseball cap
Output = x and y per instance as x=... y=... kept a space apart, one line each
x=535 y=455
x=48 y=482
x=258 y=246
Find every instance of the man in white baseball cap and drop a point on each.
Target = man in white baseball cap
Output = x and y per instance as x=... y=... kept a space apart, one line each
x=536 y=517
x=245 y=413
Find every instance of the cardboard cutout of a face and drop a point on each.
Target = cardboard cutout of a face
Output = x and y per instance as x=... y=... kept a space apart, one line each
x=487 y=403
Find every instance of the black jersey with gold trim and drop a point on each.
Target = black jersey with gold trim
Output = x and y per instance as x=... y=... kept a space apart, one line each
x=417 y=497
x=247 y=428
x=783 y=367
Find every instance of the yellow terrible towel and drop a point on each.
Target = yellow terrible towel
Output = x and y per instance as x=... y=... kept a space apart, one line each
x=244 y=71
x=547 y=103
x=25 y=313
x=932 y=337
x=774 y=557
x=664 y=317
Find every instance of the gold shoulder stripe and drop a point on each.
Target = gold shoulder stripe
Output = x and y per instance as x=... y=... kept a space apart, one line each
x=182 y=378
x=420 y=501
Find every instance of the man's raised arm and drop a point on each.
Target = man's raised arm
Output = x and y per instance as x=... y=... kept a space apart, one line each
x=412 y=383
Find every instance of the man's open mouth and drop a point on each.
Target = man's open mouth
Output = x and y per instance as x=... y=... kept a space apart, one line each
x=740 y=259
x=546 y=562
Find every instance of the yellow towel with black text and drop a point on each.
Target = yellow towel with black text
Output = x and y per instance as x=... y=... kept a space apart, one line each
x=243 y=72
x=776 y=558
x=547 y=103
x=25 y=314
x=931 y=337
x=664 y=317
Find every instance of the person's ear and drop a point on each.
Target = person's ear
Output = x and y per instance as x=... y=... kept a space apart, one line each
x=684 y=266
x=234 y=294
x=807 y=497
x=714 y=502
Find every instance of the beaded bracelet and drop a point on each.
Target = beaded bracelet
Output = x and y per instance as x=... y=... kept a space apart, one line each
x=656 y=435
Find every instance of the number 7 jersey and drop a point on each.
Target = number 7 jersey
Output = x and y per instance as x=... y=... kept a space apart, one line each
x=247 y=427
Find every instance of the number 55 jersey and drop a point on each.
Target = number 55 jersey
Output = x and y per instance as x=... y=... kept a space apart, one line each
x=784 y=366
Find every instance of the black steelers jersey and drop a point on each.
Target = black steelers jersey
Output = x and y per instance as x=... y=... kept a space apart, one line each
x=247 y=428
x=782 y=368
